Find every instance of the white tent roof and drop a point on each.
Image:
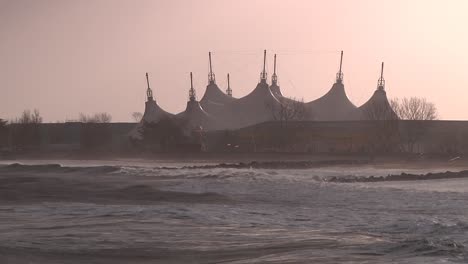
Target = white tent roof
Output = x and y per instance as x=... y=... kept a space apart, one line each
x=333 y=106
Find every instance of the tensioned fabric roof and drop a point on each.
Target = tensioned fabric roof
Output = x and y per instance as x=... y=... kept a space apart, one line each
x=333 y=106
x=197 y=117
x=217 y=110
x=153 y=114
x=214 y=101
x=256 y=107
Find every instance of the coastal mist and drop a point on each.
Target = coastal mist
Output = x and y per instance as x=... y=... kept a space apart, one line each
x=233 y=131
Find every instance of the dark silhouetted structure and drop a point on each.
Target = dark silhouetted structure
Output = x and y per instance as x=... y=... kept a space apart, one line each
x=218 y=110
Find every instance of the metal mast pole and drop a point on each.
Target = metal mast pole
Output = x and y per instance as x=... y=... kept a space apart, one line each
x=339 y=75
x=381 y=71
x=192 y=91
x=274 y=77
x=263 y=76
x=381 y=82
x=211 y=76
x=228 y=90
x=149 y=92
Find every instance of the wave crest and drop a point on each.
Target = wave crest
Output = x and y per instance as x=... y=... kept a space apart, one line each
x=56 y=168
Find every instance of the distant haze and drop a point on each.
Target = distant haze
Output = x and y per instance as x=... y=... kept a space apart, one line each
x=65 y=57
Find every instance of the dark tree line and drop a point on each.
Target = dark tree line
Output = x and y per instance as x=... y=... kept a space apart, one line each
x=171 y=135
x=390 y=134
x=3 y=133
x=96 y=131
x=24 y=132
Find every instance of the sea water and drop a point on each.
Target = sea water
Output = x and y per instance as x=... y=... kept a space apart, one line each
x=106 y=212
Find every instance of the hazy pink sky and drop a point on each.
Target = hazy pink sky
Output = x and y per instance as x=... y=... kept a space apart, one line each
x=65 y=57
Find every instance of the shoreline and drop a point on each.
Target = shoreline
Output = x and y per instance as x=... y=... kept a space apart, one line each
x=296 y=159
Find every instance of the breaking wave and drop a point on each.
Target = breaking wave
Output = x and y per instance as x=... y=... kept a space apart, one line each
x=281 y=164
x=264 y=170
x=53 y=182
x=56 y=168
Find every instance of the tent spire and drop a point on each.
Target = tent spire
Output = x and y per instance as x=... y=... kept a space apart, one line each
x=149 y=92
x=211 y=75
x=339 y=75
x=229 y=90
x=192 y=95
x=381 y=82
x=274 y=77
x=263 y=75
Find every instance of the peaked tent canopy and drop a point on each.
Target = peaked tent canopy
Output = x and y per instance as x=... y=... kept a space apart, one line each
x=256 y=107
x=378 y=107
x=274 y=87
x=194 y=114
x=214 y=100
x=153 y=112
x=197 y=118
x=334 y=105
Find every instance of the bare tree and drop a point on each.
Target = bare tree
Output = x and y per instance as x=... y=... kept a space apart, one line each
x=414 y=108
x=28 y=117
x=137 y=116
x=289 y=109
x=83 y=118
x=95 y=118
x=103 y=117
x=418 y=111
x=96 y=132
x=25 y=131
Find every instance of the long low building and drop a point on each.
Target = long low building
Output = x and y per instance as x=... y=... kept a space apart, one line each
x=219 y=110
x=345 y=137
x=390 y=136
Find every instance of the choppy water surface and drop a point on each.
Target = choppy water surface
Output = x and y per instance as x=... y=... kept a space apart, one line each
x=104 y=213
